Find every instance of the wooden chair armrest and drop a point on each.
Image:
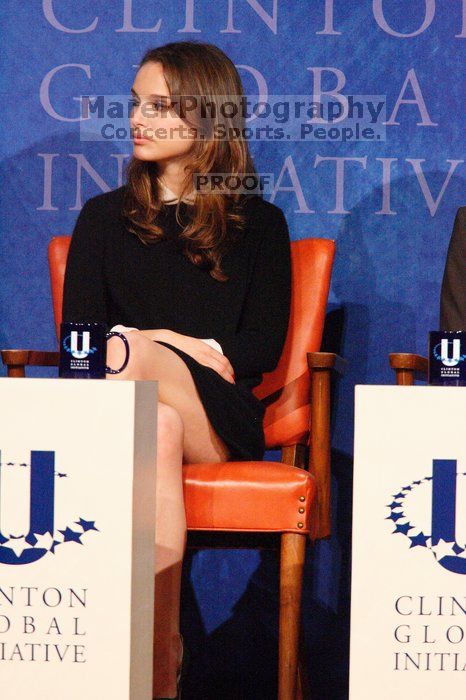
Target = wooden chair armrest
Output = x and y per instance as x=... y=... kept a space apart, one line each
x=17 y=360
x=405 y=365
x=326 y=360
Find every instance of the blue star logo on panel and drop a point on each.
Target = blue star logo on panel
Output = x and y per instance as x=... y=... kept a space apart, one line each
x=426 y=512
x=43 y=537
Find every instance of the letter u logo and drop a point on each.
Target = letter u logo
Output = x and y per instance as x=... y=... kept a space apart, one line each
x=444 y=497
x=41 y=506
x=85 y=346
x=455 y=358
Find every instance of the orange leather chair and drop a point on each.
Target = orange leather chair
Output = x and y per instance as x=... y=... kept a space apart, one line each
x=263 y=498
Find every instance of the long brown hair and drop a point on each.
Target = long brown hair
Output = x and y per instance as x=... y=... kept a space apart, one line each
x=195 y=68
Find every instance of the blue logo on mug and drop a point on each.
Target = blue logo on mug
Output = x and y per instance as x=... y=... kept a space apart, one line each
x=447 y=353
x=441 y=352
x=71 y=344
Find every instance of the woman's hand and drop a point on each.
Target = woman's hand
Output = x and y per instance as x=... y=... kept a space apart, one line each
x=202 y=352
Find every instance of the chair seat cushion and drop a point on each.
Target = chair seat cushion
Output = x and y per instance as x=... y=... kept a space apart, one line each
x=248 y=496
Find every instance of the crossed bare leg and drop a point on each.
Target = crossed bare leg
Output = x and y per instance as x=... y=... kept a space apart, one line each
x=184 y=435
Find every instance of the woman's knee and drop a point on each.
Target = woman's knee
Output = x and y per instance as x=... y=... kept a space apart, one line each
x=170 y=426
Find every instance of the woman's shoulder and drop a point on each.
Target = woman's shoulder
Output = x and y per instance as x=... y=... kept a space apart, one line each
x=256 y=205
x=110 y=201
x=256 y=208
x=262 y=215
x=266 y=222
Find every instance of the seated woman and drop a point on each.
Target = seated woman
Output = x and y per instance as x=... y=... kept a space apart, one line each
x=200 y=282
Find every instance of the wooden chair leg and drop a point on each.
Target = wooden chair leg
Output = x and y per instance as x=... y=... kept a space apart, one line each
x=319 y=452
x=293 y=548
x=405 y=377
x=303 y=689
x=299 y=687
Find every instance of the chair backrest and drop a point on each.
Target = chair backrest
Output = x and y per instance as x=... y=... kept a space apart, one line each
x=286 y=390
x=58 y=255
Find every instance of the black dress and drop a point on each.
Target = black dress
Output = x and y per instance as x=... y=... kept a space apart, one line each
x=113 y=278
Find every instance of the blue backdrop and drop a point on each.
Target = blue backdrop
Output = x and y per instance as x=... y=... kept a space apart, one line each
x=390 y=211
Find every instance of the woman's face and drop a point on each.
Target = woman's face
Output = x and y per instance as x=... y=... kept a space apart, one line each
x=166 y=136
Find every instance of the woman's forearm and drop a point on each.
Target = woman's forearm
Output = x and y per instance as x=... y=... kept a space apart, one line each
x=163 y=334
x=197 y=348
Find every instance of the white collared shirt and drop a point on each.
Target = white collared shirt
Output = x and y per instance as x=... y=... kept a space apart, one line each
x=170 y=197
